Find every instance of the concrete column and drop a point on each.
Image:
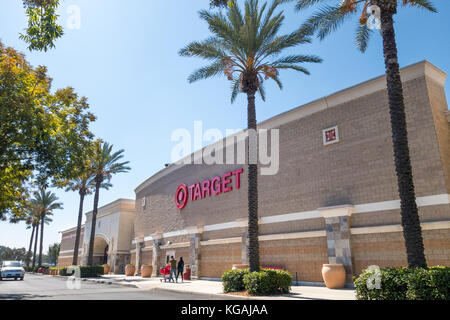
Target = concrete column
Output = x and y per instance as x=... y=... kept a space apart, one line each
x=337 y=220
x=155 y=257
x=139 y=242
x=194 y=250
x=243 y=225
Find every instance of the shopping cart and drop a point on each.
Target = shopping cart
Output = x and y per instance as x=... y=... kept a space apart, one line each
x=165 y=272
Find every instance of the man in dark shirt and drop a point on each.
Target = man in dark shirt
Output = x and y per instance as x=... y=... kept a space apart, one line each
x=180 y=269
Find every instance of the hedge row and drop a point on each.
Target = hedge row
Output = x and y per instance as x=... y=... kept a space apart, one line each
x=85 y=271
x=432 y=283
x=263 y=282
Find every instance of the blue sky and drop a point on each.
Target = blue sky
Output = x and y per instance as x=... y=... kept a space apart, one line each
x=124 y=58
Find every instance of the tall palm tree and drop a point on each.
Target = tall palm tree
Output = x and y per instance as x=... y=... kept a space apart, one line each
x=84 y=184
x=245 y=48
x=327 y=19
x=45 y=202
x=38 y=223
x=105 y=163
x=32 y=220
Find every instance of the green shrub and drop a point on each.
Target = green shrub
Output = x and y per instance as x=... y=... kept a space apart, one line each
x=233 y=280
x=429 y=284
x=405 y=284
x=85 y=271
x=91 y=271
x=267 y=282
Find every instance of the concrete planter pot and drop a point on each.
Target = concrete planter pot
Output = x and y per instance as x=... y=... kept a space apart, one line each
x=106 y=269
x=130 y=270
x=333 y=275
x=239 y=266
x=146 y=271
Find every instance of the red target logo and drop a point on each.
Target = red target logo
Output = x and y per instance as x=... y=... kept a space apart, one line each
x=181 y=196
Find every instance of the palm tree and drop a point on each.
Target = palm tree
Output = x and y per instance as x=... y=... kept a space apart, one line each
x=327 y=19
x=38 y=222
x=245 y=49
x=104 y=165
x=32 y=220
x=44 y=202
x=84 y=184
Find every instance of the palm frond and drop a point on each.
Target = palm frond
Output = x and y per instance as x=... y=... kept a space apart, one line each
x=425 y=4
x=297 y=59
x=261 y=90
x=293 y=67
x=211 y=48
x=362 y=37
x=326 y=19
x=235 y=88
x=206 y=72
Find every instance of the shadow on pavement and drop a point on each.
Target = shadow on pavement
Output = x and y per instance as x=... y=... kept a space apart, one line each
x=21 y=296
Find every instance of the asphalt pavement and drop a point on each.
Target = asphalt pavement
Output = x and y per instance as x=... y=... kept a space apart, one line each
x=48 y=288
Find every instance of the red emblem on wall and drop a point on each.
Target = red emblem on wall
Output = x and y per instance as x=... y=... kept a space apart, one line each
x=181 y=196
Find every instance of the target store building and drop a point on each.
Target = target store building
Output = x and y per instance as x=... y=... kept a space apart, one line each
x=333 y=200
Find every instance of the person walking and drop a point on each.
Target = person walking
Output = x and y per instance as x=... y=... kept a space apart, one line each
x=180 y=269
x=173 y=268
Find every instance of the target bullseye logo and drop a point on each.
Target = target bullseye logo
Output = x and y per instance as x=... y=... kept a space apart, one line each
x=181 y=196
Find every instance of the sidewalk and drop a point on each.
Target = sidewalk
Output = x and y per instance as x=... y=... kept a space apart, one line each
x=210 y=287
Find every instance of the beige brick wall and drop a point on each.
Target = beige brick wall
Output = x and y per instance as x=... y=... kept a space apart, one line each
x=388 y=249
x=216 y=259
x=304 y=256
x=357 y=170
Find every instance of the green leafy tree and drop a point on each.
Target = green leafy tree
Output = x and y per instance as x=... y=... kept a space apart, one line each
x=328 y=18
x=45 y=203
x=42 y=30
x=53 y=253
x=245 y=47
x=105 y=163
x=42 y=135
x=14 y=254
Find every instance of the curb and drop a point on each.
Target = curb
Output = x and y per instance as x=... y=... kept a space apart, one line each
x=207 y=295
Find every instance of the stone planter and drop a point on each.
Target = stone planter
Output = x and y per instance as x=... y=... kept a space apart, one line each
x=333 y=275
x=239 y=266
x=146 y=271
x=106 y=269
x=130 y=269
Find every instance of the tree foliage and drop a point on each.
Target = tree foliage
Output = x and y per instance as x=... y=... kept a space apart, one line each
x=42 y=30
x=13 y=254
x=333 y=13
x=245 y=47
x=42 y=134
x=53 y=253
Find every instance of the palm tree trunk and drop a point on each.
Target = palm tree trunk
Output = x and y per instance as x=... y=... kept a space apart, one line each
x=253 y=249
x=29 y=247
x=42 y=239
x=77 y=237
x=410 y=217
x=35 y=245
x=98 y=182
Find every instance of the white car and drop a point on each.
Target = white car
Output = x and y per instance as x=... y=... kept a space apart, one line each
x=12 y=269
